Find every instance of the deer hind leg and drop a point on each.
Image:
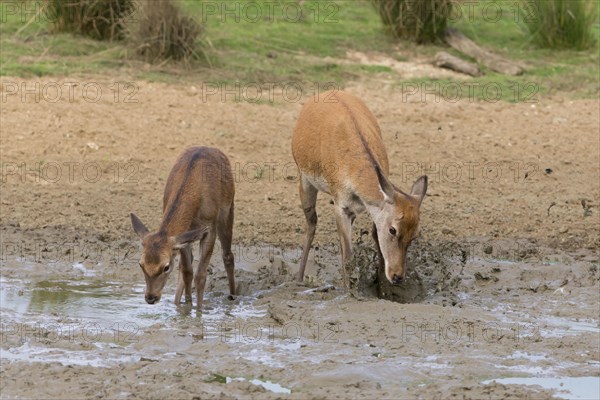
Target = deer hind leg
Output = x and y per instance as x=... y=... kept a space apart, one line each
x=186 y=275
x=344 y=219
x=308 y=198
x=206 y=249
x=225 y=233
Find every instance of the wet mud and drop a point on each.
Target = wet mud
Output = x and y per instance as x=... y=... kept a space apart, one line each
x=460 y=324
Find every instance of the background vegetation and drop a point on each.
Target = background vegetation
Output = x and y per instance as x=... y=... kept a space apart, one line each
x=98 y=19
x=163 y=32
x=419 y=21
x=310 y=48
x=560 y=24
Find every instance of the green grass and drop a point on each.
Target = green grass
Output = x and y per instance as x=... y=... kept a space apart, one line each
x=27 y=48
x=276 y=48
x=310 y=50
x=571 y=72
x=552 y=71
x=560 y=24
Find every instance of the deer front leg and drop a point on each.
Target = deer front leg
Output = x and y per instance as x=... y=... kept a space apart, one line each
x=344 y=219
x=206 y=249
x=308 y=198
x=186 y=275
x=225 y=233
x=377 y=247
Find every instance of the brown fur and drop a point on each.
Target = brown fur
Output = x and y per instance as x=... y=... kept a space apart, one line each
x=197 y=205
x=338 y=147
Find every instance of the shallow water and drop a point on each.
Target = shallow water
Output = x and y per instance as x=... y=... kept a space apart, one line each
x=106 y=302
x=270 y=386
x=584 y=388
x=102 y=315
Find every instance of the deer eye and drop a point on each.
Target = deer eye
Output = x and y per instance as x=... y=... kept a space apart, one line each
x=166 y=268
x=393 y=231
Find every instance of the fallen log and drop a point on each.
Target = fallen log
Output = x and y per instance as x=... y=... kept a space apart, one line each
x=493 y=61
x=445 y=60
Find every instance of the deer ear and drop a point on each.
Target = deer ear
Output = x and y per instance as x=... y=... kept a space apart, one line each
x=138 y=226
x=419 y=188
x=385 y=186
x=188 y=237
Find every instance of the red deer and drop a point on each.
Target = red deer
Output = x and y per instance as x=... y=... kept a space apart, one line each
x=338 y=148
x=197 y=206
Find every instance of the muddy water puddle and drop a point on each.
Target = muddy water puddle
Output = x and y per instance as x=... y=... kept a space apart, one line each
x=103 y=324
x=324 y=335
x=96 y=315
x=104 y=302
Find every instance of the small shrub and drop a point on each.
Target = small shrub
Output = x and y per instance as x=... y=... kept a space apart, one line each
x=422 y=21
x=560 y=24
x=164 y=33
x=98 y=19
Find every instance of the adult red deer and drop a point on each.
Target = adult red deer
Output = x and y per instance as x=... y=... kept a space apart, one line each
x=338 y=148
x=197 y=206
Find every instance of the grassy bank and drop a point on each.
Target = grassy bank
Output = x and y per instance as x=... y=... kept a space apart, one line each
x=261 y=42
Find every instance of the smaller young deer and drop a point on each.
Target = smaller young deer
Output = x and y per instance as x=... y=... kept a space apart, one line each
x=197 y=206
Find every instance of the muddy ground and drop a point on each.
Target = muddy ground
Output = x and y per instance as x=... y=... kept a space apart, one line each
x=503 y=284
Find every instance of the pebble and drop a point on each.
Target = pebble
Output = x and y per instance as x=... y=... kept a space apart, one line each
x=559 y=120
x=447 y=231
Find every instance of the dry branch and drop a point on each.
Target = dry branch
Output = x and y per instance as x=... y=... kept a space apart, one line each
x=493 y=61
x=445 y=60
